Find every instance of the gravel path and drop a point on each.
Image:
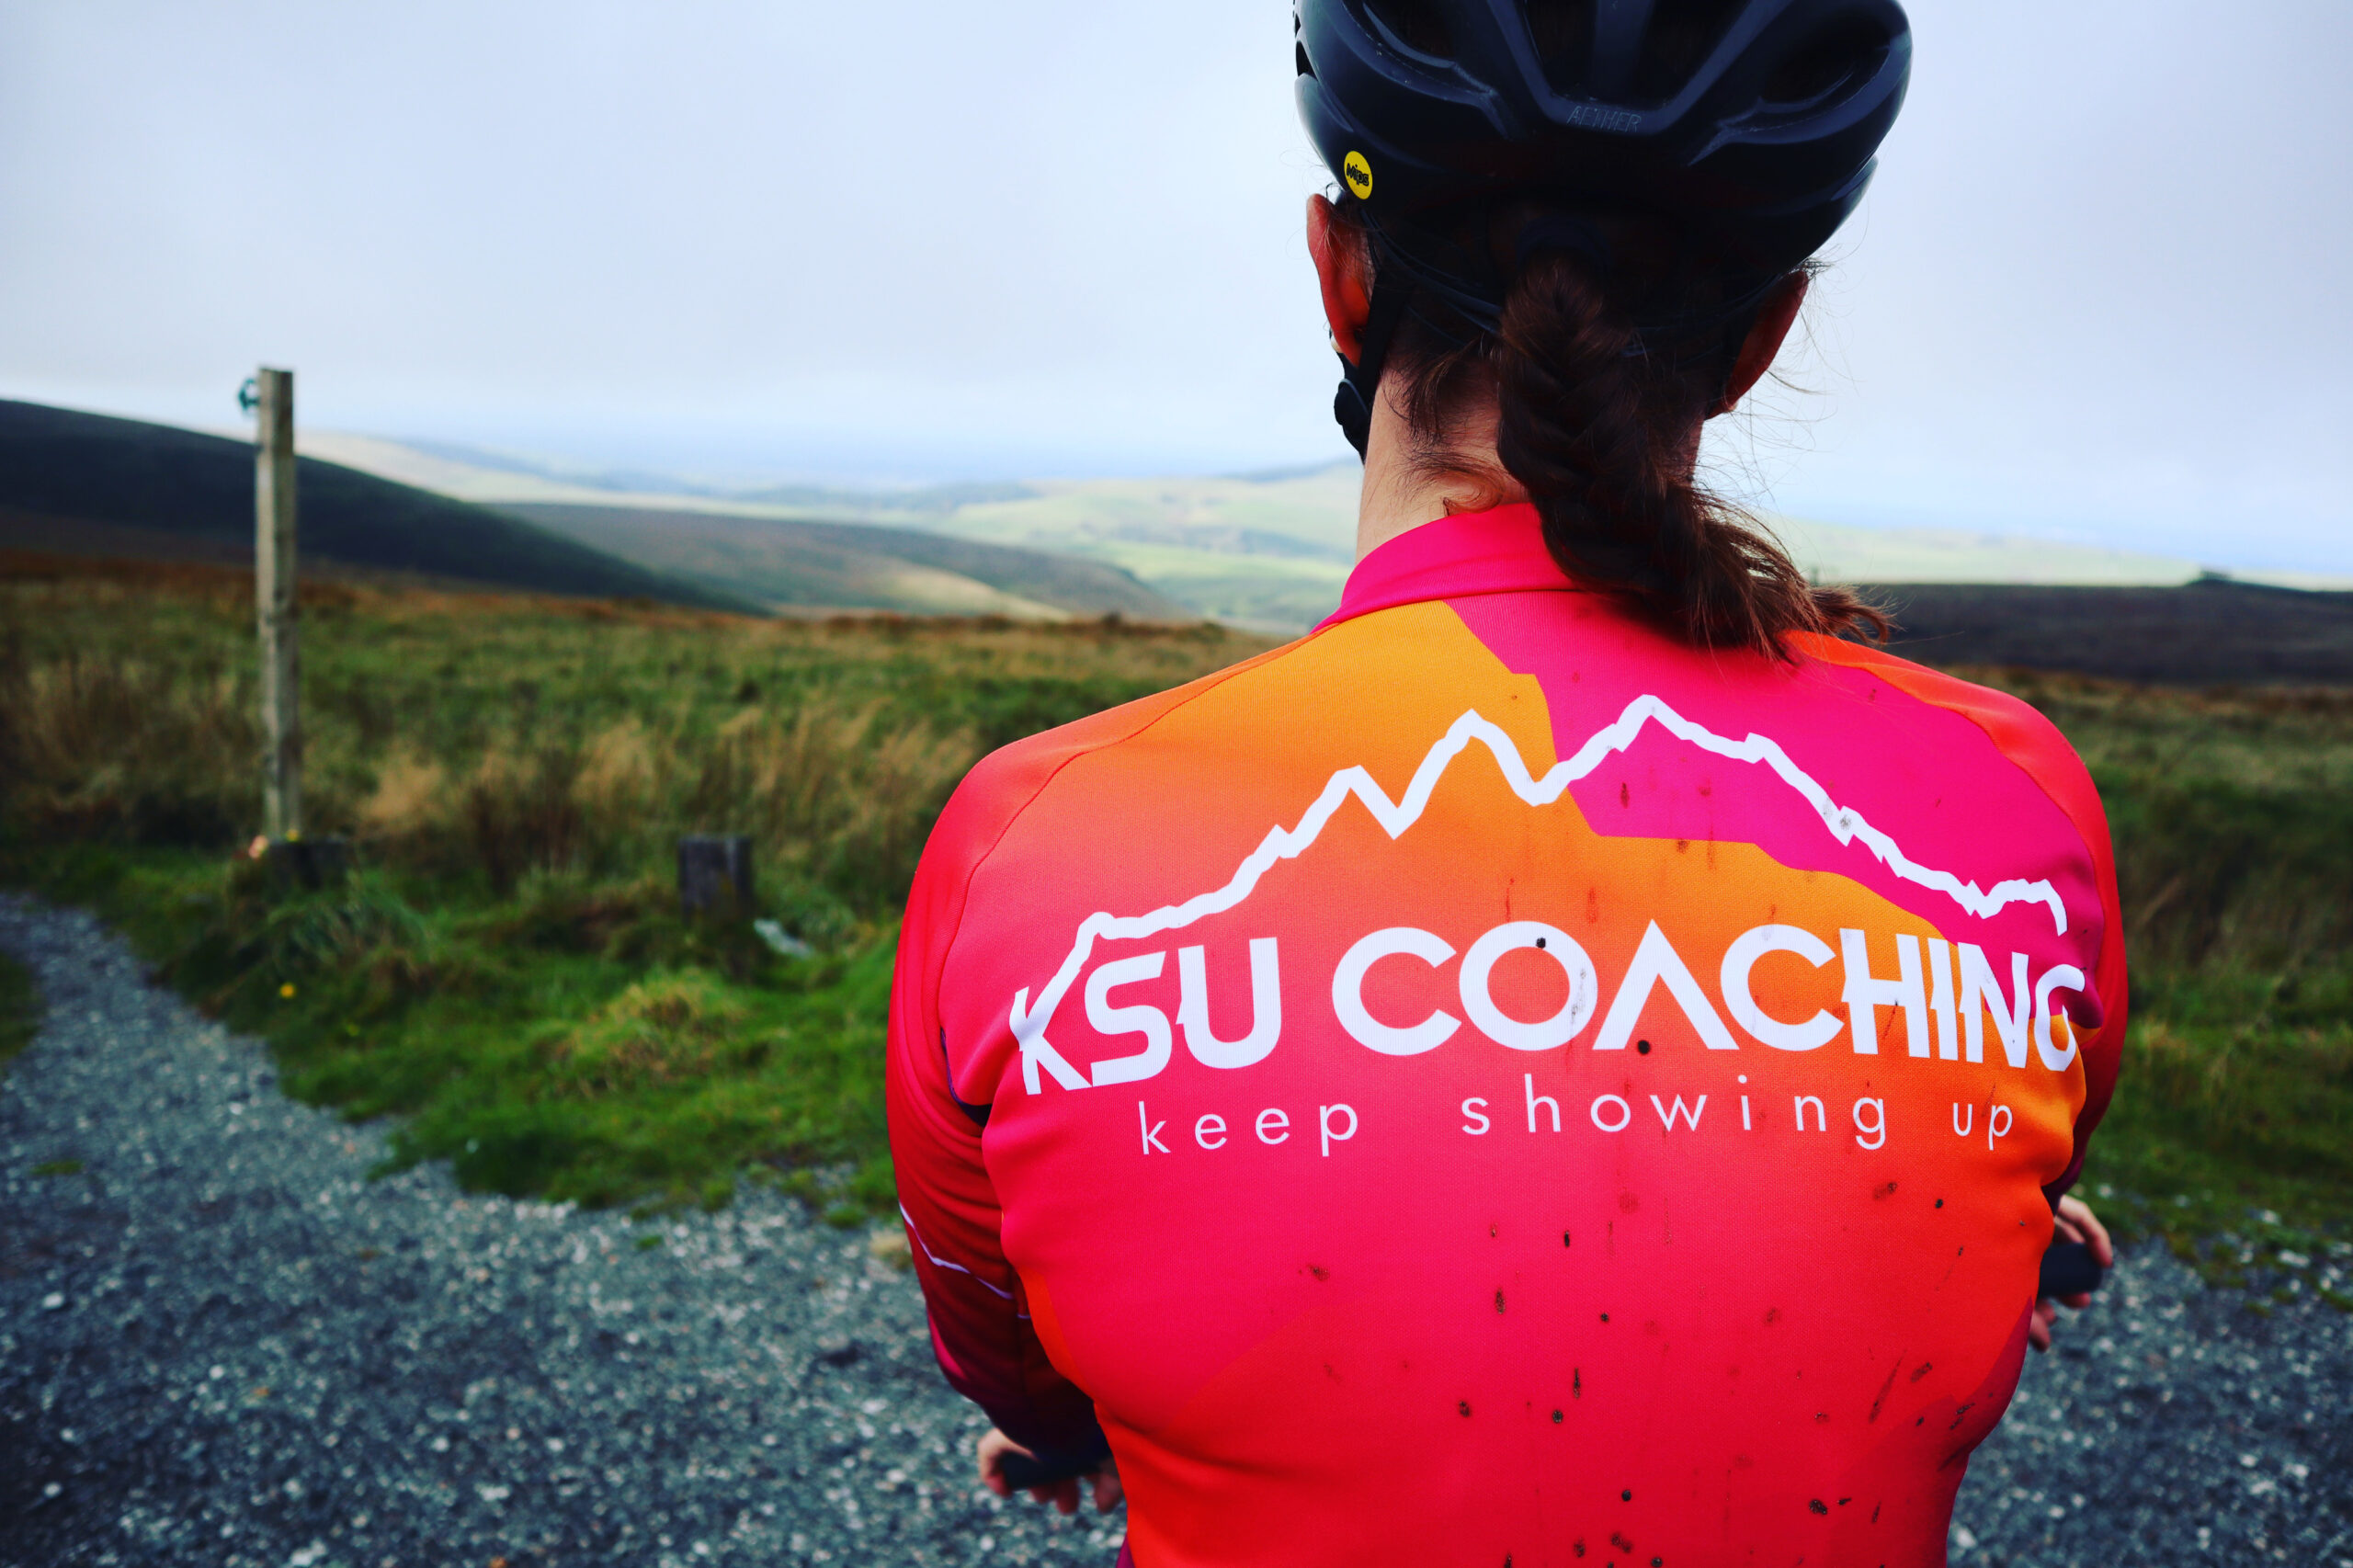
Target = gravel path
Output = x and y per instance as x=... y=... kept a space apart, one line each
x=222 y=1342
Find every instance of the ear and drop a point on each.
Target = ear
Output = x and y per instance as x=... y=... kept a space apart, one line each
x=1346 y=272
x=1766 y=336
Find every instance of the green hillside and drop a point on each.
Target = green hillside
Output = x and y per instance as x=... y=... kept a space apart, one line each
x=1271 y=551
x=1266 y=551
x=803 y=563
x=87 y=484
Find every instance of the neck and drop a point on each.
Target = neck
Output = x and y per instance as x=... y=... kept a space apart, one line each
x=1409 y=482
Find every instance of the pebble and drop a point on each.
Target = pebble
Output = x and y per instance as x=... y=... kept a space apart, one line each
x=2175 y=1424
x=250 y=1351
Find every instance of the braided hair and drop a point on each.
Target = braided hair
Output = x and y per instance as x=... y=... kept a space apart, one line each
x=1601 y=376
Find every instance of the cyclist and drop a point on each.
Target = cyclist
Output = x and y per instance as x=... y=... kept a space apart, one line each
x=1576 y=1059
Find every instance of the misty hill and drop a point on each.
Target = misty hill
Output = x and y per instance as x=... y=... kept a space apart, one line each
x=926 y=501
x=1269 y=550
x=799 y=563
x=88 y=484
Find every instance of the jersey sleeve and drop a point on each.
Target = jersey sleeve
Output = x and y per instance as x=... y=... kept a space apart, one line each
x=2034 y=745
x=981 y=1327
x=981 y=1330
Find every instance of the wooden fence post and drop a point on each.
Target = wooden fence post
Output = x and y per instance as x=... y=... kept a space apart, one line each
x=274 y=597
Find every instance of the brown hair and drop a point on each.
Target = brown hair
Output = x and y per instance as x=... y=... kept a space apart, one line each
x=1599 y=425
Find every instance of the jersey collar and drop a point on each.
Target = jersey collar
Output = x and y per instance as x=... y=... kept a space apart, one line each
x=1497 y=552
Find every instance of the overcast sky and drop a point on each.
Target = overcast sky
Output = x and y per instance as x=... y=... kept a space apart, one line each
x=2100 y=289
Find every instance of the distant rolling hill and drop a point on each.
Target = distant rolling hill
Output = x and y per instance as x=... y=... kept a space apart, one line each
x=1266 y=551
x=807 y=564
x=2213 y=632
x=87 y=484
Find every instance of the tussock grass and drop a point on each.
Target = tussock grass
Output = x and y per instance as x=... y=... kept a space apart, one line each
x=507 y=968
x=2232 y=818
x=664 y=1030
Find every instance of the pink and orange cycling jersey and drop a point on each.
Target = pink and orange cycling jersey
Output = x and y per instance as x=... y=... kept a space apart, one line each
x=1489 y=1084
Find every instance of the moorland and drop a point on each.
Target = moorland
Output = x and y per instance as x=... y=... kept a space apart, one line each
x=507 y=974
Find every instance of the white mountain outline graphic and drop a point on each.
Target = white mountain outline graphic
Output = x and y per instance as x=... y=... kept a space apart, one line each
x=1845 y=824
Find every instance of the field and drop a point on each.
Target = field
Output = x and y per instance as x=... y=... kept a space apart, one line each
x=2232 y=817
x=507 y=972
x=508 y=968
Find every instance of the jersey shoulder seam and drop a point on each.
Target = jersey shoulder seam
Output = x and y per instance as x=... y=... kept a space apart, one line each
x=1875 y=662
x=1208 y=683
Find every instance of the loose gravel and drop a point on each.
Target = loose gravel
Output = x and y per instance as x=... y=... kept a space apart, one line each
x=222 y=1342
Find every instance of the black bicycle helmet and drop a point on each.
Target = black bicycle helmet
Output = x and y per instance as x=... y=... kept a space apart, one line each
x=1751 y=124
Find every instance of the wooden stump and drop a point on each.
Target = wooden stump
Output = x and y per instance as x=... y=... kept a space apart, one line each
x=715 y=876
x=309 y=863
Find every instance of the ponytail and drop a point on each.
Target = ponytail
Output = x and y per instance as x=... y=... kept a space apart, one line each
x=1593 y=428
x=1598 y=426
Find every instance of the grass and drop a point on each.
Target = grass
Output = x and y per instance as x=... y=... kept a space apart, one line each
x=20 y=1009
x=507 y=973
x=2232 y=1132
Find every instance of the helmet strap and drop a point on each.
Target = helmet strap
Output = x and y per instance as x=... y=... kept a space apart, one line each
x=1360 y=381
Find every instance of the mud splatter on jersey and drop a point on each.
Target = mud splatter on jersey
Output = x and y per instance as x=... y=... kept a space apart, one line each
x=1487 y=1082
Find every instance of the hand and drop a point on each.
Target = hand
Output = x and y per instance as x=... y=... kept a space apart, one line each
x=2074 y=1223
x=994 y=1444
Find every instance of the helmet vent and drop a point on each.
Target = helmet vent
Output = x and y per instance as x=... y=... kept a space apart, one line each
x=1845 y=51
x=1676 y=44
x=1673 y=43
x=1298 y=53
x=1418 y=25
x=1562 y=31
